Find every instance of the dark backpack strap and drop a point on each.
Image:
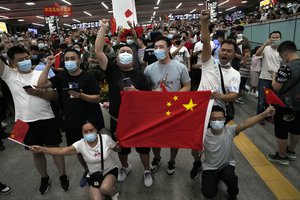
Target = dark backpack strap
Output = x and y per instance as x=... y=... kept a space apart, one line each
x=222 y=80
x=101 y=146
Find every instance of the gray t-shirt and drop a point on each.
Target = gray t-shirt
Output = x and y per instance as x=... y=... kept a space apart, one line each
x=173 y=74
x=218 y=149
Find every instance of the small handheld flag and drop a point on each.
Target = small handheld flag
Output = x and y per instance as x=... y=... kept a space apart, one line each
x=19 y=132
x=272 y=98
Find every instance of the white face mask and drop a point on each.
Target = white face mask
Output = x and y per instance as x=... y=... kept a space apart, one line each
x=239 y=36
x=217 y=125
x=225 y=65
x=129 y=41
x=125 y=58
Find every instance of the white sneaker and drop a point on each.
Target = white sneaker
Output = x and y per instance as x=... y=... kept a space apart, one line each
x=123 y=172
x=116 y=196
x=148 y=180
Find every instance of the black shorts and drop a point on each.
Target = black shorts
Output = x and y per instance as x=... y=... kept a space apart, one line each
x=43 y=132
x=73 y=135
x=126 y=151
x=285 y=122
x=96 y=179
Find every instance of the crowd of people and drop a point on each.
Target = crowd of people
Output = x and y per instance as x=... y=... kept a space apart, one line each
x=55 y=83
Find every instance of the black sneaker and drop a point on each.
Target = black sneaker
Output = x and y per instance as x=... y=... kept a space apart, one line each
x=155 y=164
x=290 y=154
x=171 y=169
x=45 y=184
x=197 y=168
x=4 y=189
x=276 y=158
x=64 y=182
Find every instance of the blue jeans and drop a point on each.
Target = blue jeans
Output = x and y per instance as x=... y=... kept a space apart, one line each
x=261 y=105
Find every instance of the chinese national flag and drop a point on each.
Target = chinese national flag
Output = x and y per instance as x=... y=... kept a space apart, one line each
x=113 y=25
x=19 y=131
x=272 y=98
x=163 y=119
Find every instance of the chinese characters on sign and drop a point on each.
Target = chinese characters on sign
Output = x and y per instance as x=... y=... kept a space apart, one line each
x=86 y=25
x=57 y=11
x=212 y=6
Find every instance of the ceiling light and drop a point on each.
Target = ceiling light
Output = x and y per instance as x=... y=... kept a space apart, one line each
x=65 y=1
x=110 y=11
x=231 y=8
x=220 y=4
x=87 y=13
x=21 y=20
x=200 y=4
x=178 y=5
x=75 y=20
x=104 y=5
x=160 y=18
x=1 y=16
x=244 y=1
x=38 y=24
x=4 y=8
x=155 y=8
x=40 y=17
x=193 y=10
x=220 y=12
x=154 y=13
x=30 y=3
x=158 y=1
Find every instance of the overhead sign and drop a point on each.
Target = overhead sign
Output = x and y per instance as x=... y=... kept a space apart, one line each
x=212 y=6
x=3 y=27
x=184 y=16
x=57 y=10
x=52 y=22
x=86 y=25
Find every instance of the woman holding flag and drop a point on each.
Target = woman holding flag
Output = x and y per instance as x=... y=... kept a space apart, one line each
x=96 y=151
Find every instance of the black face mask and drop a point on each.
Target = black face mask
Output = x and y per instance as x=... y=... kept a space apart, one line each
x=177 y=42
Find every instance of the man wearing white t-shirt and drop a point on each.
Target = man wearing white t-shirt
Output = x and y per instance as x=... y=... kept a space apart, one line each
x=270 y=63
x=211 y=76
x=32 y=106
x=179 y=52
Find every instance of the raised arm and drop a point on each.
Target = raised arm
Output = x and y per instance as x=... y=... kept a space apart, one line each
x=204 y=19
x=261 y=49
x=99 y=44
x=43 y=81
x=135 y=37
x=253 y=120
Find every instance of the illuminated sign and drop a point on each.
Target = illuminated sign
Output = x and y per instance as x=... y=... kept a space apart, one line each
x=3 y=27
x=86 y=25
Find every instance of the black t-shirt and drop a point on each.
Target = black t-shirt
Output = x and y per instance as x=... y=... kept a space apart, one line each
x=115 y=83
x=149 y=55
x=75 y=110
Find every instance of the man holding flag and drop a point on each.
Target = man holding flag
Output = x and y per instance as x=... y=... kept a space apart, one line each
x=173 y=76
x=286 y=120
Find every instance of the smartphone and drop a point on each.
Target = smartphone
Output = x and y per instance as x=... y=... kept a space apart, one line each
x=74 y=89
x=27 y=87
x=127 y=82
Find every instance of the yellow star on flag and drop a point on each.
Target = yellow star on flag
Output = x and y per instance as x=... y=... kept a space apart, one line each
x=267 y=91
x=190 y=105
x=175 y=98
x=168 y=113
x=169 y=104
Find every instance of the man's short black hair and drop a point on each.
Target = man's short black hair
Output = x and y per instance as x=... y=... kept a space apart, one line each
x=164 y=39
x=176 y=37
x=186 y=33
x=218 y=109
x=34 y=48
x=16 y=50
x=220 y=33
x=74 y=51
x=40 y=39
x=287 y=46
x=275 y=32
x=129 y=35
x=229 y=42
x=239 y=28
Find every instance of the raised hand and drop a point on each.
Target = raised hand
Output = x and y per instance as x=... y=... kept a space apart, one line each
x=270 y=111
x=205 y=15
x=104 y=23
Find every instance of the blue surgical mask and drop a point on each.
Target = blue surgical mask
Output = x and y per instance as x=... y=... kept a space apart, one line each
x=160 y=54
x=170 y=36
x=217 y=125
x=90 y=137
x=25 y=65
x=71 y=66
x=275 y=43
x=34 y=57
x=129 y=41
x=125 y=58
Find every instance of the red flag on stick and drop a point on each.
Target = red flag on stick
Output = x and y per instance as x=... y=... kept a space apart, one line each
x=113 y=25
x=19 y=132
x=272 y=98
x=163 y=119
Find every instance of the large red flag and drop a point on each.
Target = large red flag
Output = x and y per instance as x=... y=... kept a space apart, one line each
x=19 y=131
x=272 y=98
x=163 y=119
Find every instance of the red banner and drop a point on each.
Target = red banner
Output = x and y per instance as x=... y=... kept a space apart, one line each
x=57 y=11
x=163 y=119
